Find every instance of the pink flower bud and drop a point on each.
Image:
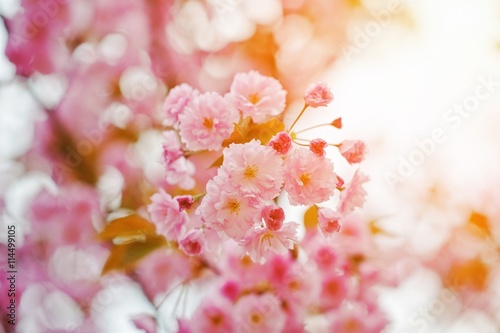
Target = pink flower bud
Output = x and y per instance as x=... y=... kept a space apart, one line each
x=231 y=290
x=318 y=94
x=185 y=202
x=340 y=182
x=337 y=123
x=274 y=217
x=281 y=142
x=317 y=146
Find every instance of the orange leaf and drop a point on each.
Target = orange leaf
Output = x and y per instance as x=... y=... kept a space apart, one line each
x=218 y=162
x=479 y=224
x=131 y=226
x=125 y=256
x=264 y=132
x=239 y=134
x=246 y=130
x=311 y=218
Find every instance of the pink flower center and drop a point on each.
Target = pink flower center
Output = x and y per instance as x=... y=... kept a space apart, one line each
x=216 y=320
x=352 y=325
x=294 y=284
x=254 y=98
x=208 y=123
x=251 y=171
x=332 y=287
x=256 y=318
x=305 y=178
x=233 y=205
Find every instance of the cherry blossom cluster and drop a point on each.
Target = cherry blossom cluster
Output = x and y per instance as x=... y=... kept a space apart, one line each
x=231 y=166
x=267 y=274
x=239 y=202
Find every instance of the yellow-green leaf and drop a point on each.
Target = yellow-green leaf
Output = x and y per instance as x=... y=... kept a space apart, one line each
x=125 y=256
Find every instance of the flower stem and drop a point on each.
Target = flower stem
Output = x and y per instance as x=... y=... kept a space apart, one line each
x=301 y=144
x=313 y=127
x=296 y=119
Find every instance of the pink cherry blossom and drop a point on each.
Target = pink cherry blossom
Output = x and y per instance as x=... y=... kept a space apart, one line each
x=258 y=96
x=192 y=243
x=309 y=179
x=273 y=216
x=318 y=94
x=206 y=122
x=224 y=209
x=259 y=314
x=254 y=169
x=162 y=270
x=177 y=100
x=178 y=169
x=213 y=315
x=171 y=148
x=294 y=282
x=335 y=288
x=354 y=237
x=317 y=146
x=231 y=290
x=263 y=242
x=64 y=218
x=281 y=142
x=35 y=47
x=325 y=257
x=356 y=319
x=354 y=194
x=329 y=220
x=181 y=172
x=166 y=215
x=353 y=151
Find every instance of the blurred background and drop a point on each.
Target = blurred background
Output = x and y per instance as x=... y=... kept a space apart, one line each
x=419 y=81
